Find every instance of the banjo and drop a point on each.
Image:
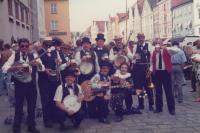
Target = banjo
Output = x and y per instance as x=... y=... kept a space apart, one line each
x=71 y=103
x=90 y=93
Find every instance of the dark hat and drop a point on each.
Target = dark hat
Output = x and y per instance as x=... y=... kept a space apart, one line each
x=68 y=72
x=100 y=36
x=85 y=40
x=57 y=41
x=105 y=63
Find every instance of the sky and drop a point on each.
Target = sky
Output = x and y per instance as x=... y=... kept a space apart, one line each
x=83 y=12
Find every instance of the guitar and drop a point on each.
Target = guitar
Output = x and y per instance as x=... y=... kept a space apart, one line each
x=90 y=93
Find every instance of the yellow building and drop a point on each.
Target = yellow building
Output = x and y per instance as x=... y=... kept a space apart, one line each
x=57 y=19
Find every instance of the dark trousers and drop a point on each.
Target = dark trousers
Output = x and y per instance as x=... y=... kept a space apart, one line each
x=193 y=80
x=98 y=108
x=140 y=82
x=128 y=99
x=76 y=118
x=163 y=78
x=47 y=92
x=25 y=91
x=116 y=103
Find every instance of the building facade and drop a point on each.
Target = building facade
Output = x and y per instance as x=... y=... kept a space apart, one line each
x=18 y=18
x=186 y=18
x=164 y=22
x=41 y=19
x=147 y=19
x=57 y=19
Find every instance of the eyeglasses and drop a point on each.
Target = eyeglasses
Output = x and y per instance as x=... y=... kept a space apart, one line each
x=24 y=46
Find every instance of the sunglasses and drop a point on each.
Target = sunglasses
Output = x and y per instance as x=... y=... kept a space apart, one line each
x=24 y=46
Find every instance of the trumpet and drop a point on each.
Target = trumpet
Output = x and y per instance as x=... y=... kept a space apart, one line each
x=149 y=79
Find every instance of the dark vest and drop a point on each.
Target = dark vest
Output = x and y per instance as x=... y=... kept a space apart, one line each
x=34 y=68
x=66 y=91
x=49 y=61
x=101 y=53
x=143 y=51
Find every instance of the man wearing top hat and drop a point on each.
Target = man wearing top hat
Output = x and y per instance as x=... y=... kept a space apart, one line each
x=101 y=51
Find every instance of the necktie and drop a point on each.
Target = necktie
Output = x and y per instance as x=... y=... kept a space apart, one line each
x=160 y=61
x=24 y=57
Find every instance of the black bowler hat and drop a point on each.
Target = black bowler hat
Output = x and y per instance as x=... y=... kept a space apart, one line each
x=105 y=63
x=68 y=72
x=57 y=41
x=100 y=36
x=85 y=40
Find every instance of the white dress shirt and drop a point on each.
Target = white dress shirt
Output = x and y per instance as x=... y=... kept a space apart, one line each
x=59 y=93
x=11 y=61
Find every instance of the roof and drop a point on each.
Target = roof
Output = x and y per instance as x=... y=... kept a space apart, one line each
x=176 y=3
x=140 y=5
x=112 y=19
x=152 y=3
x=101 y=25
x=123 y=16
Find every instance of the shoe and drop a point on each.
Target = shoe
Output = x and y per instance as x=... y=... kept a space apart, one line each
x=157 y=111
x=104 y=120
x=76 y=124
x=135 y=111
x=172 y=113
x=48 y=125
x=151 y=108
x=128 y=112
x=16 y=130
x=180 y=101
x=119 y=119
x=33 y=130
x=140 y=107
x=62 y=128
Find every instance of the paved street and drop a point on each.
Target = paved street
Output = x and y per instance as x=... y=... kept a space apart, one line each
x=187 y=120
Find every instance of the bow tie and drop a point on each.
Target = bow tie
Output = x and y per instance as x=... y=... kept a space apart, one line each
x=99 y=48
x=70 y=86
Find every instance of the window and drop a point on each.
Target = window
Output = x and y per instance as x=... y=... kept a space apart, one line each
x=27 y=16
x=54 y=25
x=10 y=8
x=17 y=9
x=199 y=13
x=22 y=12
x=53 y=8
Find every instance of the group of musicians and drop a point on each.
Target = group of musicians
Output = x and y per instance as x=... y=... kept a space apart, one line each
x=112 y=74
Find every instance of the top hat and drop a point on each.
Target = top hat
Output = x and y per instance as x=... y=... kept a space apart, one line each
x=85 y=40
x=100 y=36
x=57 y=41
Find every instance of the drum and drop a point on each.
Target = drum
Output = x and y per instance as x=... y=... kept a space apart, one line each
x=86 y=68
x=71 y=103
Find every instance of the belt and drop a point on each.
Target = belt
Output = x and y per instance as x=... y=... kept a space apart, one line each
x=175 y=64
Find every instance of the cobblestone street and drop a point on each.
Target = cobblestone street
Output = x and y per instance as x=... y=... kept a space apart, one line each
x=186 y=120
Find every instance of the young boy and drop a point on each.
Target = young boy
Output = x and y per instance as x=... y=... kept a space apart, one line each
x=68 y=88
x=100 y=103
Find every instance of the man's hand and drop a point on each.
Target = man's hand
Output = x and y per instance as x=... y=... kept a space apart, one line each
x=69 y=112
x=80 y=98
